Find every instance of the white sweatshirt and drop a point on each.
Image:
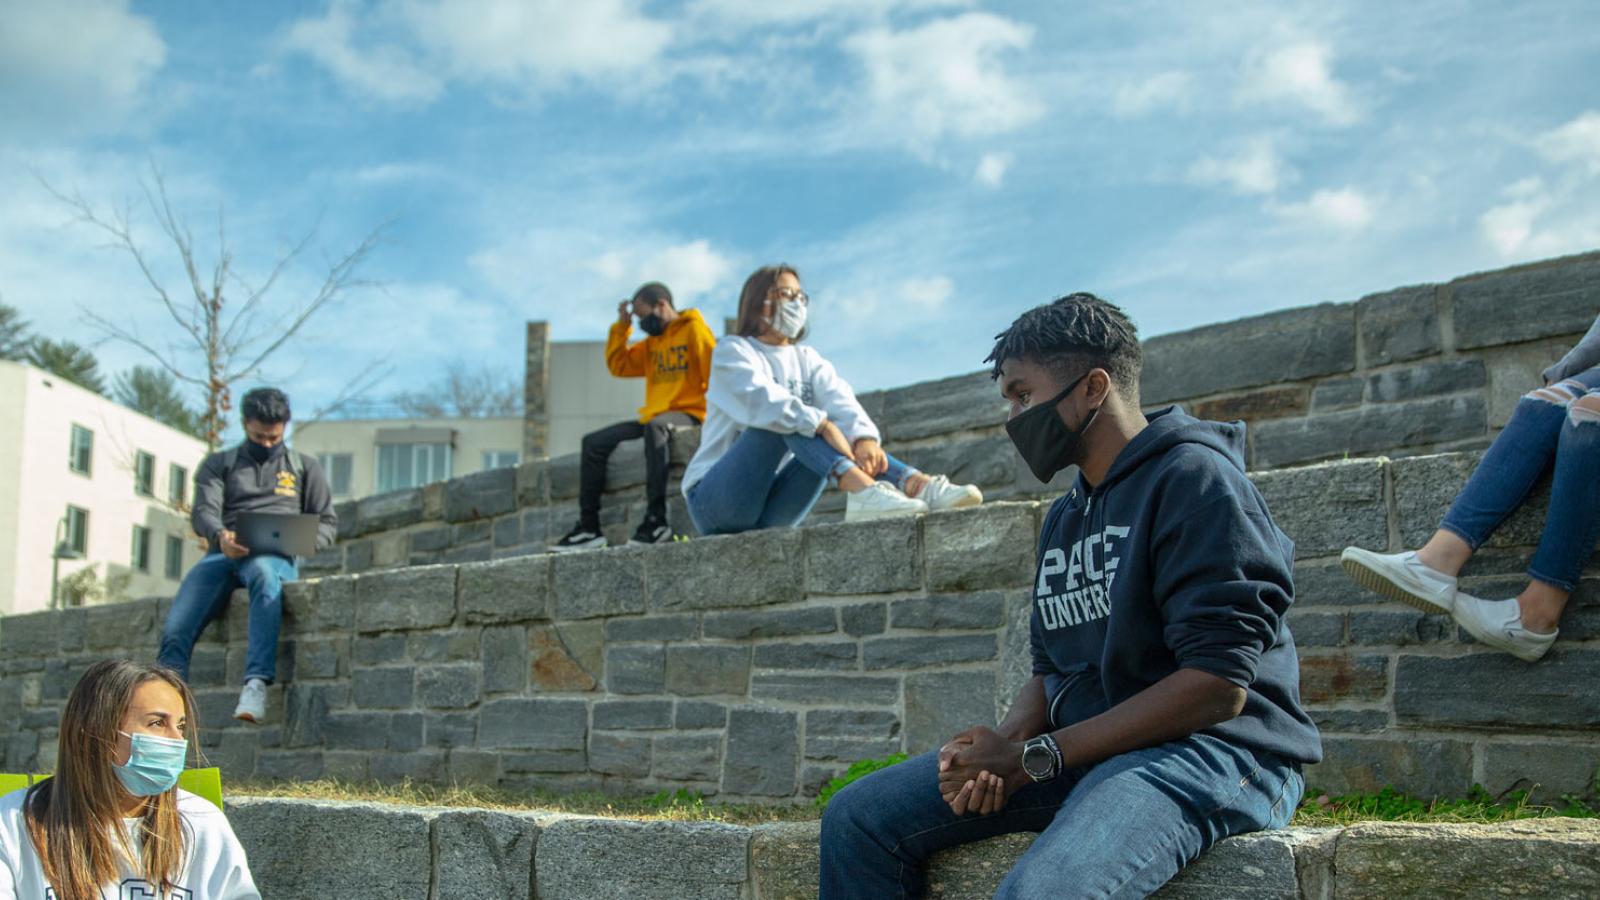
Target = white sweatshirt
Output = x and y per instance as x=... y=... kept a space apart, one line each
x=215 y=868
x=789 y=390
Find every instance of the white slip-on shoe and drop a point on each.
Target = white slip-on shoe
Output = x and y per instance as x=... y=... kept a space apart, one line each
x=939 y=494
x=252 y=702
x=1400 y=576
x=878 y=502
x=1498 y=623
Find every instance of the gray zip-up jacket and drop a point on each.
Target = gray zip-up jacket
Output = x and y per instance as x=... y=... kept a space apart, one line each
x=230 y=482
x=1581 y=358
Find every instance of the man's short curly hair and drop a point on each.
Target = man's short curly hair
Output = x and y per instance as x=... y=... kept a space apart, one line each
x=1071 y=335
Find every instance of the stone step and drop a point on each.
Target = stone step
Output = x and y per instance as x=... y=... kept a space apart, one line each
x=355 y=851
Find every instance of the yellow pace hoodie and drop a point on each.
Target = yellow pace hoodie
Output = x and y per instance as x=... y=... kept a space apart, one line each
x=674 y=364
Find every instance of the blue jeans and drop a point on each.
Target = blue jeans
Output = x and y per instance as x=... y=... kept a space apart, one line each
x=746 y=490
x=204 y=594
x=1122 y=828
x=1541 y=432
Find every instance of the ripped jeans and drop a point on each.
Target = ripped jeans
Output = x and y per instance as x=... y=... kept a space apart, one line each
x=1550 y=427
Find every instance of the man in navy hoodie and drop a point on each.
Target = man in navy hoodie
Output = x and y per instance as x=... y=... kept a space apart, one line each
x=1164 y=710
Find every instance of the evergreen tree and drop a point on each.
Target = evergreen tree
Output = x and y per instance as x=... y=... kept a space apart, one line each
x=155 y=393
x=13 y=333
x=71 y=361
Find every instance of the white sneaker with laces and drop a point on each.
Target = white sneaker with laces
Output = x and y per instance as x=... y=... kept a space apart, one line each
x=939 y=494
x=1400 y=576
x=878 y=502
x=252 y=702
x=1498 y=623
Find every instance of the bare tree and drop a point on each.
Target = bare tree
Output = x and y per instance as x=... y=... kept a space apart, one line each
x=465 y=393
x=228 y=333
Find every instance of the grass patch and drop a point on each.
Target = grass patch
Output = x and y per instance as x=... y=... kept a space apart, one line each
x=1317 y=809
x=675 y=806
x=1479 y=807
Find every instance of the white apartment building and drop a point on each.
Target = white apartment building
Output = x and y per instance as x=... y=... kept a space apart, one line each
x=85 y=481
x=362 y=457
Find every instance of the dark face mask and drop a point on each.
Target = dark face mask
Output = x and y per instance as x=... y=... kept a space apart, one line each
x=258 y=452
x=652 y=324
x=1045 y=442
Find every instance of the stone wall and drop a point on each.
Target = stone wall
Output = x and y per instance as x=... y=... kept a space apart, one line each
x=759 y=665
x=300 y=850
x=1402 y=373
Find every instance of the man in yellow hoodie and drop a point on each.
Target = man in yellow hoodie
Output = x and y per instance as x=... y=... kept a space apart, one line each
x=674 y=360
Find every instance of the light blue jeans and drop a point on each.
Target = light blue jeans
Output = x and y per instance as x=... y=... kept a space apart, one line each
x=746 y=490
x=204 y=595
x=1541 y=434
x=1122 y=828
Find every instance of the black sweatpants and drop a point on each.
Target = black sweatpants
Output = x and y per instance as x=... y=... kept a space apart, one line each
x=597 y=448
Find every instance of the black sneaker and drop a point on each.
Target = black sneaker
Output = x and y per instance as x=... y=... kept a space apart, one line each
x=581 y=537
x=651 y=531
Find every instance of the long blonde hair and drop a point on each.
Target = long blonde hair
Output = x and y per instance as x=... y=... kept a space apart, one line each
x=75 y=818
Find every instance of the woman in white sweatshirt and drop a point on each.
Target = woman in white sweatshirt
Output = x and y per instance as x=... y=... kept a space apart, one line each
x=112 y=823
x=780 y=423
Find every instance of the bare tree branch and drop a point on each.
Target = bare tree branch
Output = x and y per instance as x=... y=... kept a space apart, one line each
x=354 y=392
x=340 y=278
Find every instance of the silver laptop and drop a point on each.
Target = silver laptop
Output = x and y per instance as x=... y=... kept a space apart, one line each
x=283 y=534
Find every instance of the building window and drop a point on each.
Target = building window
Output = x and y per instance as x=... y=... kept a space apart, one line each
x=77 y=538
x=144 y=474
x=337 y=467
x=497 y=459
x=174 y=556
x=177 y=486
x=411 y=465
x=82 y=453
x=141 y=548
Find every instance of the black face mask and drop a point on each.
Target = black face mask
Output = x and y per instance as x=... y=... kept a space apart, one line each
x=1045 y=442
x=652 y=324
x=258 y=452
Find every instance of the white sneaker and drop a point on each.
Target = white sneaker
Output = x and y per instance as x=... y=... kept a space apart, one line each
x=878 y=502
x=1400 y=576
x=939 y=494
x=1498 y=623
x=252 y=702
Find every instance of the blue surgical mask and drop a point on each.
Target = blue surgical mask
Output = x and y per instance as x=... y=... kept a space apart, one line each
x=154 y=766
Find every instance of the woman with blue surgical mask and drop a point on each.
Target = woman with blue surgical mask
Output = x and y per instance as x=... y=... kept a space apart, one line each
x=781 y=425
x=112 y=822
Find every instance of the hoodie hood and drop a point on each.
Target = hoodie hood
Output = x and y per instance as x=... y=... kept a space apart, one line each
x=1168 y=428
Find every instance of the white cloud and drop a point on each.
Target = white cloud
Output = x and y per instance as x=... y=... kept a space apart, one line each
x=991 y=172
x=1345 y=209
x=945 y=78
x=926 y=294
x=75 y=61
x=406 y=51
x=1578 y=141
x=537 y=42
x=1299 y=74
x=1255 y=169
x=575 y=277
x=386 y=73
x=1537 y=220
x=1162 y=89
x=396 y=172
x=746 y=13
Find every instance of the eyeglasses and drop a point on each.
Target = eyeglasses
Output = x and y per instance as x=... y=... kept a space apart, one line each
x=792 y=295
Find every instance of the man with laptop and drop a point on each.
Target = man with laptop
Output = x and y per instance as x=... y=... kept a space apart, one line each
x=259 y=506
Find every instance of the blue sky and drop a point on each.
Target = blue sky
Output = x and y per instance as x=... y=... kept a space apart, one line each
x=932 y=167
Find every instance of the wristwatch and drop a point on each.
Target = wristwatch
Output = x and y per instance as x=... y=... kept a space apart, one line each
x=1041 y=758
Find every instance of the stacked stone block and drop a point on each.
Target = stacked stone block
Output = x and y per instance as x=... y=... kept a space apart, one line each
x=356 y=851
x=760 y=665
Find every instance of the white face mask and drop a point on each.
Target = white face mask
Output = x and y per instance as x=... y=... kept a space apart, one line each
x=790 y=319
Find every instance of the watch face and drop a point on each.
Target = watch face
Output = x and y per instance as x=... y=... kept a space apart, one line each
x=1036 y=760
